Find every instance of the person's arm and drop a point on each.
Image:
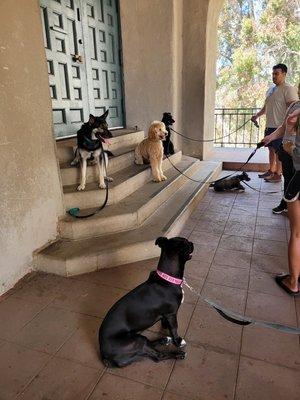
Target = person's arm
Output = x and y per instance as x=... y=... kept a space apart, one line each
x=278 y=134
x=261 y=112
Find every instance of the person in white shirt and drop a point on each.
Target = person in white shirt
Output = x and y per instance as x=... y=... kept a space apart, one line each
x=278 y=99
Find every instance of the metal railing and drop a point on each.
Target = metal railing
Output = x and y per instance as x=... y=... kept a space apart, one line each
x=227 y=124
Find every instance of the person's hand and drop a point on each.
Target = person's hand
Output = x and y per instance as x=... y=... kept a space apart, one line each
x=292 y=118
x=266 y=140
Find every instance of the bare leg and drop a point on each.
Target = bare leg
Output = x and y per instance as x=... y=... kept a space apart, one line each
x=272 y=159
x=294 y=246
x=278 y=165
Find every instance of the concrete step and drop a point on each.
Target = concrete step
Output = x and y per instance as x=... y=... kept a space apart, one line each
x=126 y=181
x=71 y=175
x=123 y=140
x=71 y=257
x=133 y=210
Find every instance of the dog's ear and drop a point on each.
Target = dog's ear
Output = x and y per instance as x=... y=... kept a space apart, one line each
x=91 y=119
x=152 y=131
x=161 y=241
x=104 y=116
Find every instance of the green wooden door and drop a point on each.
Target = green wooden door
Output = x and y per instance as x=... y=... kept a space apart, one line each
x=84 y=65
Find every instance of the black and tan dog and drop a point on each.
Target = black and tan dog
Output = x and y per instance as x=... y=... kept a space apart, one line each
x=90 y=146
x=232 y=183
x=168 y=120
x=157 y=299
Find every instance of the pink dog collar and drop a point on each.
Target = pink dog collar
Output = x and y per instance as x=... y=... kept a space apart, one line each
x=169 y=278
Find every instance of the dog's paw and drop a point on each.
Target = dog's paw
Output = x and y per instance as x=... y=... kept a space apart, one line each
x=181 y=355
x=179 y=342
x=156 y=180
x=81 y=187
x=102 y=185
x=166 y=341
x=108 y=179
x=163 y=178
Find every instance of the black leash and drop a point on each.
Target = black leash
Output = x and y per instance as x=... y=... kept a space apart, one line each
x=74 y=212
x=242 y=319
x=222 y=137
x=258 y=146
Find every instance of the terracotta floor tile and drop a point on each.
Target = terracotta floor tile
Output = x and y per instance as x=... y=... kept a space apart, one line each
x=259 y=380
x=237 y=243
x=264 y=283
x=227 y=276
x=270 y=233
x=88 y=298
x=228 y=297
x=185 y=233
x=14 y=314
x=266 y=307
x=240 y=210
x=196 y=269
x=271 y=346
x=83 y=345
x=63 y=380
x=113 y=387
x=239 y=229
x=271 y=247
x=204 y=253
x=207 y=327
x=205 y=239
x=173 y=396
x=204 y=374
x=231 y=258
x=41 y=289
x=218 y=207
x=242 y=219
x=48 y=330
x=270 y=264
x=277 y=221
x=17 y=367
x=148 y=372
x=210 y=216
x=211 y=227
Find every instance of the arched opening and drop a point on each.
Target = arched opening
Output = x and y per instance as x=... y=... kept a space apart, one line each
x=253 y=36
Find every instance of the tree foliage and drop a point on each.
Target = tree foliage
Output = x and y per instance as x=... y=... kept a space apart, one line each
x=254 y=35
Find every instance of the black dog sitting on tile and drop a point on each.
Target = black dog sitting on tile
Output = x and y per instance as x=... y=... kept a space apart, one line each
x=159 y=298
x=168 y=120
x=232 y=183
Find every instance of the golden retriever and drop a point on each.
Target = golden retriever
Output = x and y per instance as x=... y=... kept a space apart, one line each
x=151 y=150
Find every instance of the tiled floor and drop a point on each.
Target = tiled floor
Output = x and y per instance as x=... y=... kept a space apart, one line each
x=49 y=324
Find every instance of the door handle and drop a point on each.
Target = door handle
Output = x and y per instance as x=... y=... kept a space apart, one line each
x=77 y=58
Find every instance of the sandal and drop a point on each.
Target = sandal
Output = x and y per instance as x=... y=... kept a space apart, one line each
x=279 y=280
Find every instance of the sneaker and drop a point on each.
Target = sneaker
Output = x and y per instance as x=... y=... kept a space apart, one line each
x=265 y=174
x=279 y=209
x=273 y=178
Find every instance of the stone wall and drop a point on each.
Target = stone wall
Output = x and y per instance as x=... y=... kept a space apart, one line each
x=30 y=199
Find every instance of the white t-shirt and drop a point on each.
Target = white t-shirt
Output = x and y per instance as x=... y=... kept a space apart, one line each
x=277 y=98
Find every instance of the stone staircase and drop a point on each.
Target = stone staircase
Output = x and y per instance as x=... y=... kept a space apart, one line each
x=138 y=210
